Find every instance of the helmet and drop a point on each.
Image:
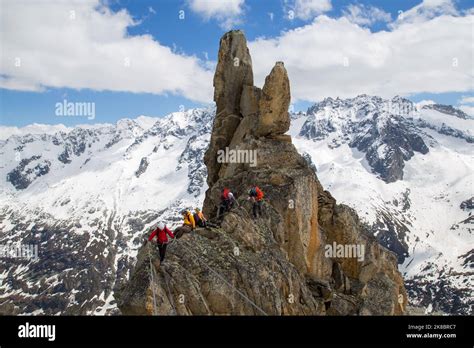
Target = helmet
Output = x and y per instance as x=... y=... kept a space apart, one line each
x=231 y=195
x=197 y=209
x=161 y=225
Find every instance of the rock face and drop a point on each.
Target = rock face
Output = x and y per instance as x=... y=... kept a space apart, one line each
x=447 y=109
x=388 y=145
x=279 y=263
x=233 y=72
x=384 y=130
x=274 y=102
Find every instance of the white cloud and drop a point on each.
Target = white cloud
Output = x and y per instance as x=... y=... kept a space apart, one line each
x=227 y=12
x=434 y=55
x=426 y=10
x=467 y=105
x=307 y=9
x=82 y=44
x=424 y=102
x=91 y=51
x=467 y=100
x=365 y=14
x=468 y=109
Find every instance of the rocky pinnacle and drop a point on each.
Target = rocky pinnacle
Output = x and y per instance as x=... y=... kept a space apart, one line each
x=279 y=263
x=233 y=72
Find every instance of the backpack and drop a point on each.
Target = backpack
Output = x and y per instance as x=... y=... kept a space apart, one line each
x=225 y=194
x=258 y=193
x=253 y=192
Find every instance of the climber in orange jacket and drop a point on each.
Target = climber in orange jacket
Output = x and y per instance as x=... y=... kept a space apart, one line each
x=199 y=218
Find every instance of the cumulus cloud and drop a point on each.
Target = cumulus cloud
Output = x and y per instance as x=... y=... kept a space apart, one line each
x=467 y=105
x=467 y=100
x=468 y=109
x=426 y=10
x=336 y=57
x=424 y=102
x=307 y=9
x=83 y=44
x=365 y=14
x=228 y=13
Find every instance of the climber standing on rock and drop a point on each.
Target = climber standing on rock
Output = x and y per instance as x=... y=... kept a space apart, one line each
x=189 y=224
x=256 y=196
x=199 y=218
x=227 y=202
x=161 y=233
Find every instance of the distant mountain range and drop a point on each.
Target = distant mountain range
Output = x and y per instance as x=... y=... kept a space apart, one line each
x=86 y=194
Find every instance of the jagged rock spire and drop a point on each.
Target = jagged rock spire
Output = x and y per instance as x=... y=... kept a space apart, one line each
x=233 y=72
x=274 y=118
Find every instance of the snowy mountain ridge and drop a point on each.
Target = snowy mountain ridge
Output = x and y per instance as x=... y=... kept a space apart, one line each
x=86 y=195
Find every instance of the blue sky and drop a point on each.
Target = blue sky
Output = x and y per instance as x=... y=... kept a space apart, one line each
x=143 y=57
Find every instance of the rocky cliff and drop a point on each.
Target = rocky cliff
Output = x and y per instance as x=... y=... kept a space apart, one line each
x=278 y=264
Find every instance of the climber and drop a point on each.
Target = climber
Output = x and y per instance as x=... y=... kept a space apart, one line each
x=227 y=202
x=160 y=232
x=188 y=224
x=256 y=196
x=199 y=218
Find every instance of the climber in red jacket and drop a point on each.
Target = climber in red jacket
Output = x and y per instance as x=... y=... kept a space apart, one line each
x=161 y=233
x=227 y=202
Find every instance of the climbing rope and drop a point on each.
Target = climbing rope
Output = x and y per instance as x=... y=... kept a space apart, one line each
x=170 y=296
x=245 y=297
x=152 y=281
x=168 y=290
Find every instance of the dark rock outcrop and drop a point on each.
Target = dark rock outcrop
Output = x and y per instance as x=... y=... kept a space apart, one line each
x=24 y=174
x=388 y=144
x=142 y=167
x=468 y=204
x=447 y=109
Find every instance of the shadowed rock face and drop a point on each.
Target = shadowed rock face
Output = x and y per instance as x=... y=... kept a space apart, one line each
x=278 y=261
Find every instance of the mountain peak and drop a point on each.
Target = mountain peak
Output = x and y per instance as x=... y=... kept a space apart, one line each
x=286 y=244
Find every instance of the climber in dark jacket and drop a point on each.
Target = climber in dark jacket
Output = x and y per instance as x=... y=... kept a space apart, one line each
x=256 y=196
x=161 y=233
x=227 y=202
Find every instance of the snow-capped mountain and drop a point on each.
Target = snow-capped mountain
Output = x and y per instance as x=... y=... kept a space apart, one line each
x=86 y=195
x=408 y=172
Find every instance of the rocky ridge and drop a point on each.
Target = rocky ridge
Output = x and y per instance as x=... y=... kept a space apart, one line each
x=276 y=264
